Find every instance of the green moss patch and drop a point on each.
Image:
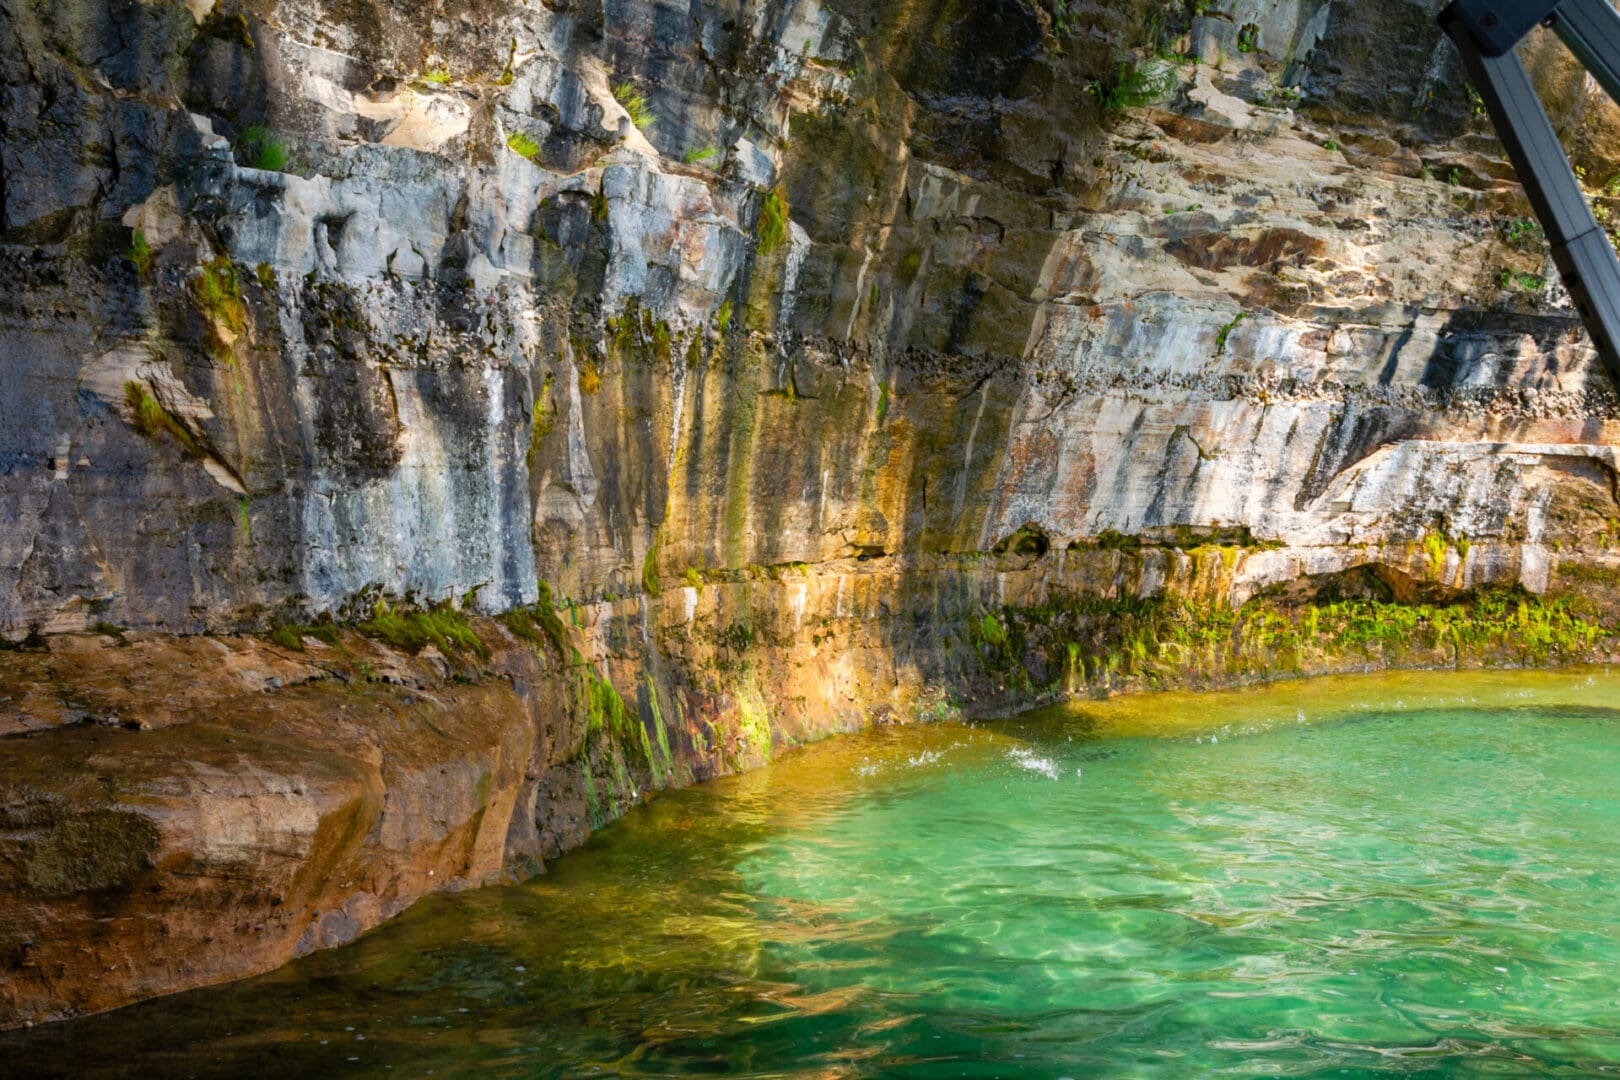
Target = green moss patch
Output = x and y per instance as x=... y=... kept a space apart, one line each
x=649 y=566
x=540 y=625
x=773 y=219
x=140 y=253
x=292 y=635
x=219 y=298
x=1169 y=641
x=524 y=145
x=607 y=714
x=544 y=420
x=151 y=419
x=442 y=627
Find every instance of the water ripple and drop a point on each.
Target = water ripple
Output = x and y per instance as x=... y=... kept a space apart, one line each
x=1419 y=880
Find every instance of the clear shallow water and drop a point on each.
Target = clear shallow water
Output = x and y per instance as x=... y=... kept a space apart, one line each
x=1412 y=875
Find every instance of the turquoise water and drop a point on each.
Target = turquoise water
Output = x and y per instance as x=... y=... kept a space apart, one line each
x=1412 y=876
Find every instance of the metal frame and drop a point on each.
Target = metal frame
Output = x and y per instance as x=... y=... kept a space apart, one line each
x=1486 y=32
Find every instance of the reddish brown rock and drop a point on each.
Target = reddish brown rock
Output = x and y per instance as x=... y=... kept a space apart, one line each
x=246 y=825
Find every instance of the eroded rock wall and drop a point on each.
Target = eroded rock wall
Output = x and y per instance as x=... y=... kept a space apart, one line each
x=861 y=283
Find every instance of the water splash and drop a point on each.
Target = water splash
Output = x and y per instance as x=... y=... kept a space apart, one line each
x=1026 y=758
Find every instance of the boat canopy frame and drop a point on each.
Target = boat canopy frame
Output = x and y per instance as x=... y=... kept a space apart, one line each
x=1486 y=32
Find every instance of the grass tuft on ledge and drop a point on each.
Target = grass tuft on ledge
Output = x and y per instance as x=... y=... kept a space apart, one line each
x=524 y=145
x=441 y=626
x=151 y=419
x=636 y=104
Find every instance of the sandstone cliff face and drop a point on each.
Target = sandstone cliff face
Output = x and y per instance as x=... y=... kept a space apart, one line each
x=189 y=838
x=835 y=361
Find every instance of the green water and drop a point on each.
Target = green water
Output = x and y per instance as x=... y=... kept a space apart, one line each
x=1412 y=875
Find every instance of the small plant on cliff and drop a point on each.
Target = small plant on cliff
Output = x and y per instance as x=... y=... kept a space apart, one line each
x=1133 y=85
x=649 y=566
x=1279 y=94
x=436 y=77
x=151 y=419
x=1225 y=331
x=590 y=379
x=635 y=103
x=773 y=219
x=1528 y=282
x=1435 y=547
x=1065 y=18
x=722 y=319
x=264 y=150
x=699 y=154
x=139 y=253
x=523 y=144
x=738 y=637
x=1521 y=234
x=506 y=75
x=220 y=300
x=218 y=295
x=1248 y=38
x=292 y=635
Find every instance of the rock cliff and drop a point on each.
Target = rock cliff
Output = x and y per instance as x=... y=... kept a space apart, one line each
x=767 y=367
